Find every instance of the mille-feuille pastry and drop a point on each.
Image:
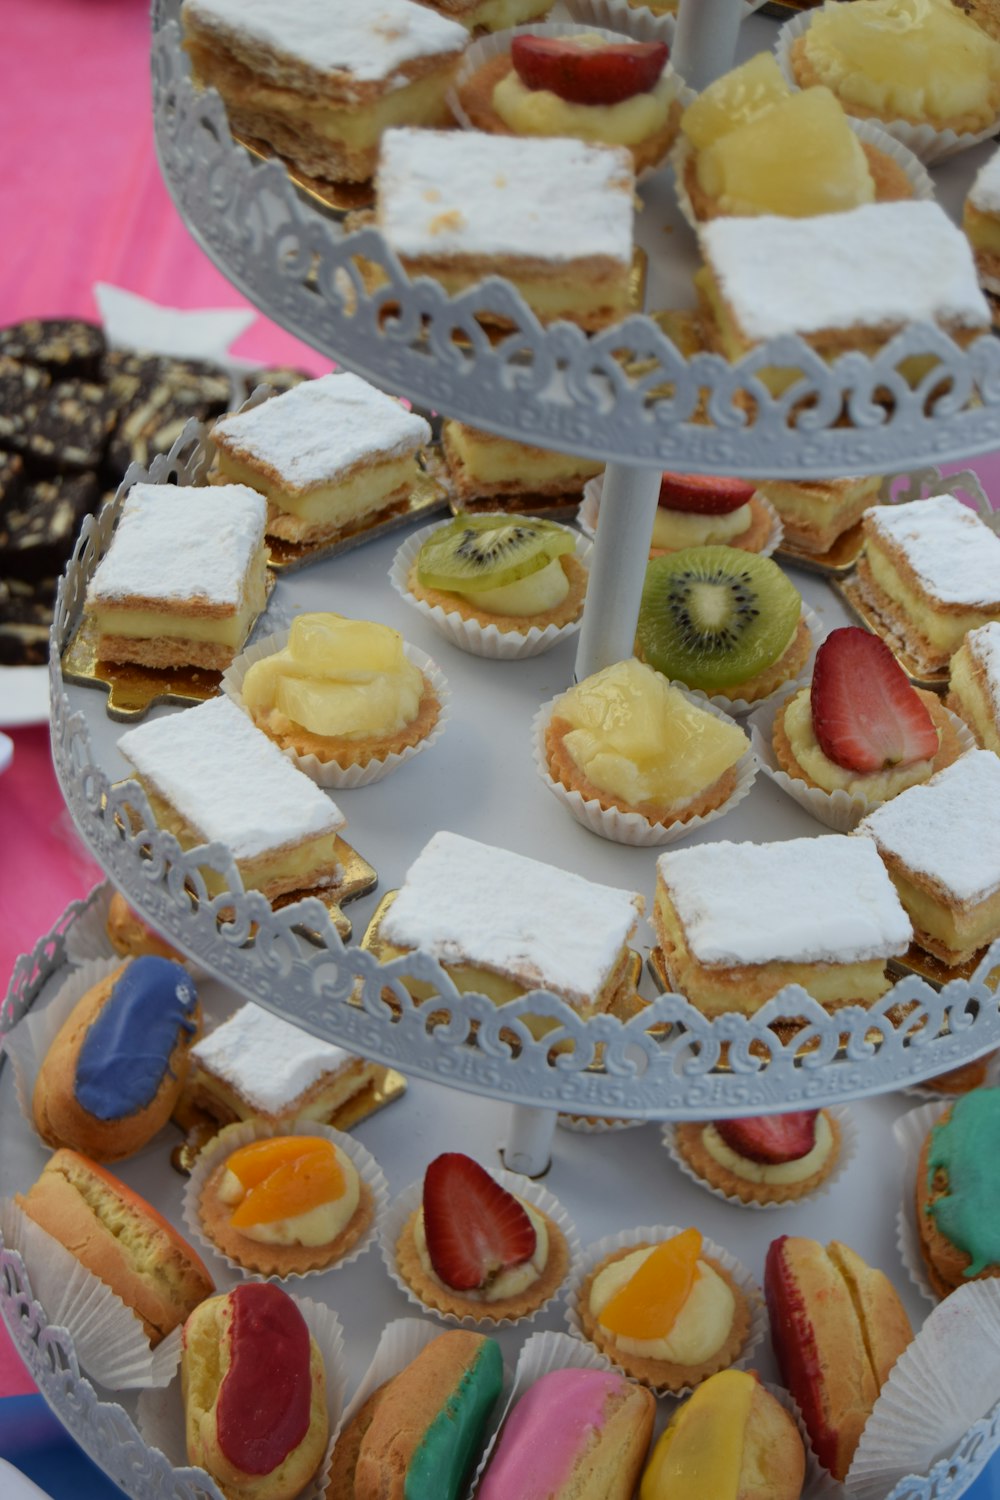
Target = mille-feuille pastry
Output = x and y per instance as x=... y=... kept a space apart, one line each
x=931 y=570
x=762 y=1158
x=257 y=1066
x=769 y=276
x=484 y=466
x=479 y=911
x=815 y=512
x=974 y=684
x=319 y=84
x=492 y=15
x=328 y=455
x=552 y=216
x=956 y=1226
x=941 y=844
x=131 y=936
x=184 y=578
x=981 y=219
x=586 y=85
x=736 y=923
x=920 y=61
x=211 y=776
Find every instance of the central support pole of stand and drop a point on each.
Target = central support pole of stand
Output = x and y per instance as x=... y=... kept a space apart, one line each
x=529 y=1140
x=704 y=45
x=618 y=567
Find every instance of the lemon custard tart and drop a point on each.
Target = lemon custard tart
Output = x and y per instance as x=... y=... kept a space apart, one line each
x=981 y=219
x=184 y=578
x=484 y=466
x=328 y=455
x=736 y=923
x=974 y=686
x=700 y=510
x=212 y=776
x=319 y=83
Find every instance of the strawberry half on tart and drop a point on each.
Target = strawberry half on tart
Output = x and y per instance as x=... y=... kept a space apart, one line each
x=472 y=1249
x=588 y=86
x=699 y=510
x=762 y=1159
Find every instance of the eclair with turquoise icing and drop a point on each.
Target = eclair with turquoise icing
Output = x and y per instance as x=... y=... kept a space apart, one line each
x=113 y=1074
x=420 y=1435
x=573 y=1435
x=958 y=1209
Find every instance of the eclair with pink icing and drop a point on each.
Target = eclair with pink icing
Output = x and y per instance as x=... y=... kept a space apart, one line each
x=574 y=1435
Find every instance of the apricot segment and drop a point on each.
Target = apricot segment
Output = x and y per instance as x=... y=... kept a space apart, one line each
x=648 y=1304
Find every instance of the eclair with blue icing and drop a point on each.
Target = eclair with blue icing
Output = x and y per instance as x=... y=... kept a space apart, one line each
x=112 y=1076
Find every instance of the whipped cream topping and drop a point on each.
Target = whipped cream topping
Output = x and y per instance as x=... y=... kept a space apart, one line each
x=470 y=903
x=950 y=548
x=879 y=265
x=267 y=1060
x=182 y=542
x=984 y=193
x=315 y=432
x=814 y=900
x=369 y=39
x=228 y=780
x=459 y=192
x=947 y=830
x=984 y=648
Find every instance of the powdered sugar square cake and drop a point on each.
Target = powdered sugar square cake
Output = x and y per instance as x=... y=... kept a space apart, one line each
x=974 y=689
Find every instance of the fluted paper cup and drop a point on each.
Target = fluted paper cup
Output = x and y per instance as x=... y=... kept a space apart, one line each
x=590 y=506
x=87 y=938
x=637 y=22
x=595 y=1124
x=911 y=1130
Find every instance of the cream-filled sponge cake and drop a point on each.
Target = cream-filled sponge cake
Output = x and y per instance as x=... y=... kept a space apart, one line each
x=502 y=924
x=212 y=776
x=552 y=216
x=326 y=455
x=974 y=687
x=931 y=569
x=736 y=923
x=484 y=465
x=184 y=578
x=941 y=844
x=981 y=218
x=320 y=83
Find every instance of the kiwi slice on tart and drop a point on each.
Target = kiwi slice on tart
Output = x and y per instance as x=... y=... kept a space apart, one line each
x=713 y=617
x=472 y=553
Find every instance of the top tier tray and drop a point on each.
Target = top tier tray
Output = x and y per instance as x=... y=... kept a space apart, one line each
x=626 y=394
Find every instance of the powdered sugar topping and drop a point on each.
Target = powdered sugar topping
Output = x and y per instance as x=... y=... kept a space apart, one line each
x=175 y=542
x=814 y=900
x=984 y=193
x=882 y=264
x=316 y=431
x=466 y=902
x=228 y=780
x=984 y=648
x=950 y=548
x=267 y=1060
x=458 y=192
x=947 y=829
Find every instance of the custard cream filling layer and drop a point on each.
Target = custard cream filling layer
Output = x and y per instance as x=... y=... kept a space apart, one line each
x=877 y=786
x=540 y=112
x=983 y=230
x=945 y=631
x=313 y=862
x=552 y=296
x=510 y=1283
x=679 y=528
x=535 y=595
x=776 y=1174
x=320 y=1106
x=498 y=15
x=332 y=503
x=499 y=461
x=317 y=1226
x=224 y=630
x=955 y=929
x=714 y=991
x=976 y=705
x=700 y=1328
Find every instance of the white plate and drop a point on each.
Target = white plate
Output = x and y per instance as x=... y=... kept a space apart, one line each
x=24 y=696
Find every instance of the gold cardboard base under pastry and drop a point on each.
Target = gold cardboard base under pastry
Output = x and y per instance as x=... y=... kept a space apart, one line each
x=935 y=680
x=428 y=496
x=935 y=971
x=834 y=563
x=340 y=198
x=547 y=507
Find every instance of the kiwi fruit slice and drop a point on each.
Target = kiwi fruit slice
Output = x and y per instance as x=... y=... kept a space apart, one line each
x=713 y=617
x=489 y=551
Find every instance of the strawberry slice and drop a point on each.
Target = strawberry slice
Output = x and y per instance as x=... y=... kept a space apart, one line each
x=474 y=1228
x=866 y=714
x=704 y=494
x=771 y=1139
x=588 y=75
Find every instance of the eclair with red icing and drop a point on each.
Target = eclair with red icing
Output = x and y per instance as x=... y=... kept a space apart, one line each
x=254 y=1390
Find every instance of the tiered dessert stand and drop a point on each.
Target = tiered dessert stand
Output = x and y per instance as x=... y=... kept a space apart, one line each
x=626 y=395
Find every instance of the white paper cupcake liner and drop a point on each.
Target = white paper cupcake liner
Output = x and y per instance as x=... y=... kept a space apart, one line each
x=653 y=1234
x=110 y=1342
x=848 y=1147
x=870 y=132
x=632 y=828
x=328 y=773
x=593 y=1125
x=639 y=23
x=840 y=810
x=88 y=939
x=161 y=1412
x=232 y=1137
x=926 y=143
x=947 y=1380
x=469 y=635
x=590 y=506
x=411 y=1198
x=911 y=1130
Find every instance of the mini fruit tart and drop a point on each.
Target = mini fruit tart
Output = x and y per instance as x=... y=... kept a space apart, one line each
x=763 y=1161
x=467 y=1248
x=595 y=86
x=700 y=510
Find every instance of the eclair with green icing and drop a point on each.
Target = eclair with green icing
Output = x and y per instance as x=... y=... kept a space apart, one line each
x=420 y=1435
x=958 y=1193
